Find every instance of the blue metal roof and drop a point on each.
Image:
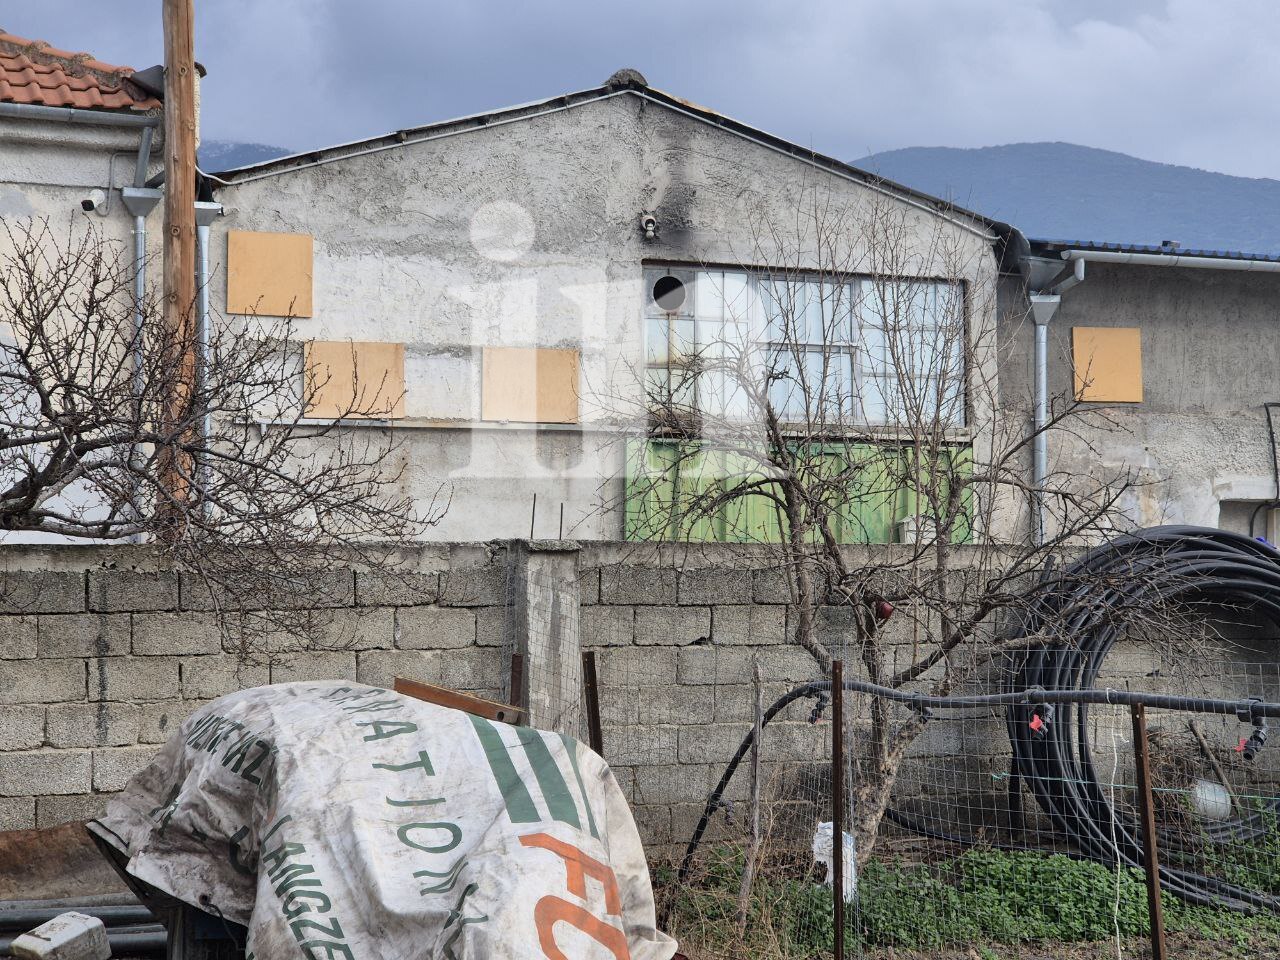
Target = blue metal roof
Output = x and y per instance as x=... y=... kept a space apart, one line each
x=1057 y=245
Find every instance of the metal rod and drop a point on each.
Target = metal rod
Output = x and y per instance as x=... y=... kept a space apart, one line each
x=515 y=694
x=533 y=515
x=561 y=536
x=753 y=844
x=837 y=802
x=591 y=696
x=1147 y=814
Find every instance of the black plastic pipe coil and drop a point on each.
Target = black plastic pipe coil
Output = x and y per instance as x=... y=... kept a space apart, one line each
x=1191 y=567
x=1174 y=564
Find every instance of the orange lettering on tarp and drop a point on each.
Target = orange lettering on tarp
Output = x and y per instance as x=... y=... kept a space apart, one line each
x=578 y=865
x=551 y=910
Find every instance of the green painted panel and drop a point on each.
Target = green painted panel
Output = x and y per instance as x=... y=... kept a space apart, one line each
x=675 y=491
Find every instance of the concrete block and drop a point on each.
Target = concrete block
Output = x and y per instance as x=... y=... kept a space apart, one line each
x=133 y=678
x=379 y=668
x=159 y=719
x=625 y=668
x=68 y=936
x=713 y=743
x=755 y=625
x=607 y=626
x=589 y=585
x=312 y=590
x=335 y=665
x=114 y=768
x=675 y=783
x=653 y=824
x=45 y=771
x=474 y=586
x=797 y=742
x=492 y=628
x=771 y=586
x=732 y=665
x=434 y=628
x=41 y=681
x=735 y=703
x=175 y=634
x=389 y=588
x=474 y=670
x=675 y=703
x=29 y=591
x=17 y=813
x=17 y=637
x=712 y=585
x=641 y=745
x=363 y=628
x=113 y=591
x=51 y=811
x=101 y=724
x=672 y=626
x=85 y=635
x=623 y=583
x=21 y=728
x=216 y=676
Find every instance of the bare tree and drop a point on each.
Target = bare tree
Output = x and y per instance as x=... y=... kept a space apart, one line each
x=845 y=394
x=107 y=433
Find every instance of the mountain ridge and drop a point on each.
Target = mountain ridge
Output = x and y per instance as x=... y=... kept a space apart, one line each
x=1065 y=191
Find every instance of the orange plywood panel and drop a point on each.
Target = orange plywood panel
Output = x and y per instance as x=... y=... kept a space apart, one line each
x=269 y=274
x=530 y=385
x=1108 y=364
x=364 y=377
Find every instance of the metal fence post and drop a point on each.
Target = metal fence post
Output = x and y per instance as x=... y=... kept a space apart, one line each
x=837 y=802
x=1147 y=815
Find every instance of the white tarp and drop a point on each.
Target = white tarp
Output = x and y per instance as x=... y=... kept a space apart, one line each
x=339 y=820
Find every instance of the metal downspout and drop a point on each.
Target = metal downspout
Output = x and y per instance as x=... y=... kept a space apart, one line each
x=1043 y=308
x=139 y=200
x=205 y=215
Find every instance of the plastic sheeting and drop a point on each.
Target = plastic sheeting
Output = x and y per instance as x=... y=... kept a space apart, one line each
x=339 y=820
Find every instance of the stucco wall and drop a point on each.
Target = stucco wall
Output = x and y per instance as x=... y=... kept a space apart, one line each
x=1210 y=349
x=528 y=234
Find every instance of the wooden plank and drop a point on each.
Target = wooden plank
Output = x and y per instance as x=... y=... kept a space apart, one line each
x=444 y=697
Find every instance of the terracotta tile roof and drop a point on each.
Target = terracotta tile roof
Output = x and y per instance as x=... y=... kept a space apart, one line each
x=31 y=71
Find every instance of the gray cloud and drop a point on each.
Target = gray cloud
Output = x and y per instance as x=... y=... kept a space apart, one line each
x=1182 y=81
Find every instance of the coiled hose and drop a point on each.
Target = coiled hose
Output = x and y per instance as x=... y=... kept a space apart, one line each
x=1180 y=567
x=1191 y=566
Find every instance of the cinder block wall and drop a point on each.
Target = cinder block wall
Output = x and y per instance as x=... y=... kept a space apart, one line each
x=102 y=656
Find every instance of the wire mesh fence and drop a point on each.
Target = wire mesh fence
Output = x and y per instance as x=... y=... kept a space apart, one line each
x=970 y=828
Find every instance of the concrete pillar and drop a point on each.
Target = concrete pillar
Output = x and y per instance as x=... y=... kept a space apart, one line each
x=543 y=626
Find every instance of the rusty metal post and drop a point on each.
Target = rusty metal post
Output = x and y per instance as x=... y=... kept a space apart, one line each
x=1147 y=816
x=515 y=688
x=837 y=802
x=591 y=696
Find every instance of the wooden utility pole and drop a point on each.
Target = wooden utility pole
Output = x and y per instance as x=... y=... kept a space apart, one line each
x=179 y=291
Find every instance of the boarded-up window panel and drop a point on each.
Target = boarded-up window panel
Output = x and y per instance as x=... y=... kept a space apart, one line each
x=1108 y=364
x=269 y=274
x=529 y=385
x=356 y=380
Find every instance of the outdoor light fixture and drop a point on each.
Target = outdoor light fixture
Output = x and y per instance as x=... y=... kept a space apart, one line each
x=649 y=224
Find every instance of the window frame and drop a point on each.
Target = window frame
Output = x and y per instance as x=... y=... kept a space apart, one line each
x=860 y=374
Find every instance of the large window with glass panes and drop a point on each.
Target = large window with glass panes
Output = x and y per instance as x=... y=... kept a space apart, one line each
x=857 y=351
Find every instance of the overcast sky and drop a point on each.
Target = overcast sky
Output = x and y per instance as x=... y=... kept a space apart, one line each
x=1181 y=81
